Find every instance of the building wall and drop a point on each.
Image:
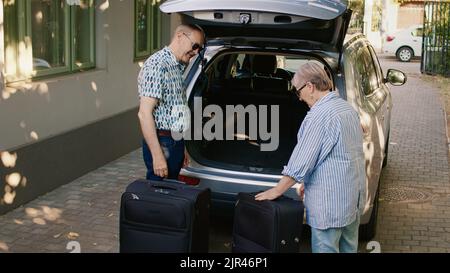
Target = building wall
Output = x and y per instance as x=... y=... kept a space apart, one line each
x=391 y=16
x=410 y=14
x=61 y=103
x=372 y=36
x=75 y=122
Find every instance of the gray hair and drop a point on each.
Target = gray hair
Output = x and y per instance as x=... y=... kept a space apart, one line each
x=315 y=74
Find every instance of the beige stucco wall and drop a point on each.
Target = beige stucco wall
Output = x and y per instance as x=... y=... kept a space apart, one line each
x=410 y=14
x=37 y=110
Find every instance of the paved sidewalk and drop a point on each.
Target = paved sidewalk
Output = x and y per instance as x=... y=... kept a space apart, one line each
x=85 y=210
x=414 y=211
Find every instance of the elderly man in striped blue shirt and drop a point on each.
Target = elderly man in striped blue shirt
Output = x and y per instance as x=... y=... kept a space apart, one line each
x=329 y=159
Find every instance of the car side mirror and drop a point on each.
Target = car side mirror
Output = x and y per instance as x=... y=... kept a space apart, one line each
x=395 y=77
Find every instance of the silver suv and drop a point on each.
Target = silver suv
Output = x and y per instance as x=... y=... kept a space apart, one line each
x=253 y=50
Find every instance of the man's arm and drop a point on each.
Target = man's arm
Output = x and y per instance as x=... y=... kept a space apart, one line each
x=303 y=159
x=148 y=127
x=283 y=185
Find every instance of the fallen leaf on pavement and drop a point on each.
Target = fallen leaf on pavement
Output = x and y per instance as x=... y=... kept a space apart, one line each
x=72 y=235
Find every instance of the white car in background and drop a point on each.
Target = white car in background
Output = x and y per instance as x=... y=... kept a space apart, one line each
x=405 y=44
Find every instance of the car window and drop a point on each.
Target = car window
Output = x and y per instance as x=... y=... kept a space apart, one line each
x=220 y=65
x=292 y=64
x=418 y=32
x=376 y=64
x=351 y=75
x=366 y=71
x=241 y=66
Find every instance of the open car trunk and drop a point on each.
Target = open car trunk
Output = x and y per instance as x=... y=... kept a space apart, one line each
x=255 y=81
x=320 y=22
x=245 y=154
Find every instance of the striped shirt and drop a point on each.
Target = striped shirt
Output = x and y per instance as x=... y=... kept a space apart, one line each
x=329 y=159
x=161 y=77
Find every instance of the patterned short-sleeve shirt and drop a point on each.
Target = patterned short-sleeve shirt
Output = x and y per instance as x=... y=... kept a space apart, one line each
x=161 y=77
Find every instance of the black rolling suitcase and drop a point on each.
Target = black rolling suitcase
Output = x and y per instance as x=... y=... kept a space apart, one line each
x=164 y=217
x=267 y=226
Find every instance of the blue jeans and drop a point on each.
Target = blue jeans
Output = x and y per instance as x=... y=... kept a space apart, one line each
x=336 y=240
x=173 y=152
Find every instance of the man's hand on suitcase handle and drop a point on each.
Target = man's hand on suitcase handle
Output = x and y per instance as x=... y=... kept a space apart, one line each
x=270 y=194
x=160 y=167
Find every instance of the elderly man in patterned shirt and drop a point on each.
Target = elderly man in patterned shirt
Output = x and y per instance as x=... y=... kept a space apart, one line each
x=160 y=86
x=329 y=159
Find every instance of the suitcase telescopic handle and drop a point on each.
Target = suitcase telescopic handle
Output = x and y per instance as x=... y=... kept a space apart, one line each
x=164 y=187
x=173 y=181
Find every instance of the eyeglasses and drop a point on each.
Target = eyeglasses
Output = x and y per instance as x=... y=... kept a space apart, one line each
x=195 y=46
x=298 y=91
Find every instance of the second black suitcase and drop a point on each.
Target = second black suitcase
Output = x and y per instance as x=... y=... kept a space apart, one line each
x=164 y=217
x=267 y=226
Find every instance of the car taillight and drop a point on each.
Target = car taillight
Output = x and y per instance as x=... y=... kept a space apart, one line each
x=189 y=180
x=390 y=38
